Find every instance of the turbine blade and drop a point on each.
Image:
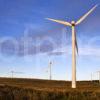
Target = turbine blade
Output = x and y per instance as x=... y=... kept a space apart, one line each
x=88 y=13
x=59 y=21
x=76 y=45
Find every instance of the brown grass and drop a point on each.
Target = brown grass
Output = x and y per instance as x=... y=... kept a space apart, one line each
x=33 y=89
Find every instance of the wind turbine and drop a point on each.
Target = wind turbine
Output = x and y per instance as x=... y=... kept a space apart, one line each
x=50 y=65
x=13 y=72
x=91 y=77
x=99 y=75
x=49 y=70
x=74 y=40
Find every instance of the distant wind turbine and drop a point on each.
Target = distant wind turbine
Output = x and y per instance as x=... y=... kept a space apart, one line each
x=49 y=70
x=74 y=41
x=13 y=72
x=50 y=65
x=91 y=77
x=99 y=75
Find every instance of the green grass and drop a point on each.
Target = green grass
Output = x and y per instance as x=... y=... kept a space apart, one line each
x=33 y=89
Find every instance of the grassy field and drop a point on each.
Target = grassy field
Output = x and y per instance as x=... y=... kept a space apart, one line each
x=33 y=89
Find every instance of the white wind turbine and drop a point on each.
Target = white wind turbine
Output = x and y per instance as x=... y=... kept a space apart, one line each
x=50 y=65
x=13 y=72
x=74 y=41
x=99 y=75
x=49 y=70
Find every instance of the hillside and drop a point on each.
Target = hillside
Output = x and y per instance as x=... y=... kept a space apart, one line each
x=34 y=89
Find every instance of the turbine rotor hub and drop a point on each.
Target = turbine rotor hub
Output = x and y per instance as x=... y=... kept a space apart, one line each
x=73 y=23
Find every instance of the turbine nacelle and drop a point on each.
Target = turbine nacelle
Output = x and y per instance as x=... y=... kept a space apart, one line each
x=73 y=23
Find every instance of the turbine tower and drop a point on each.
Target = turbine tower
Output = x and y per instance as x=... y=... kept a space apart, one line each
x=91 y=77
x=74 y=40
x=50 y=65
x=99 y=75
x=49 y=70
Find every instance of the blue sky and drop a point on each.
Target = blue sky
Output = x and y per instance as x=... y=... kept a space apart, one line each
x=28 y=42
